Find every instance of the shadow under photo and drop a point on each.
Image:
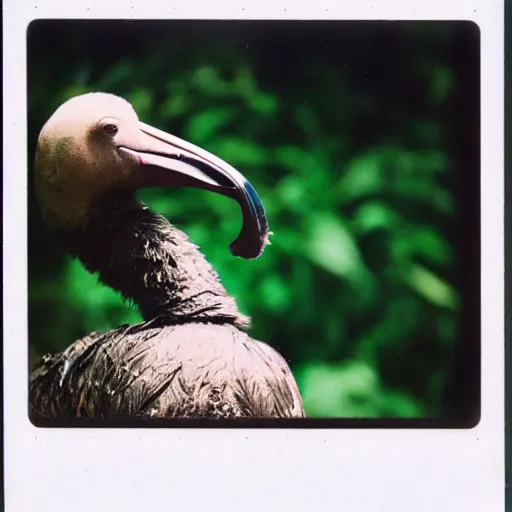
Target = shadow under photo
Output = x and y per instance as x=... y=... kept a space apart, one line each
x=254 y=223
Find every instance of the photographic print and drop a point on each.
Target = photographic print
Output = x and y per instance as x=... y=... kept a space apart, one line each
x=253 y=222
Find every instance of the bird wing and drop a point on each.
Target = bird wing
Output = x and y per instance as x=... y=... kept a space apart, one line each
x=101 y=376
x=50 y=394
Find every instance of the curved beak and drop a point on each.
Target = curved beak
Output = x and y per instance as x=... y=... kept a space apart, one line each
x=177 y=163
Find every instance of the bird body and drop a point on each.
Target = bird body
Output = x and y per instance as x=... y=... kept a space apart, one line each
x=193 y=370
x=191 y=357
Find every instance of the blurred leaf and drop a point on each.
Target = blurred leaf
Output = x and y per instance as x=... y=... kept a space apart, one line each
x=345 y=390
x=431 y=287
x=400 y=405
x=330 y=245
x=427 y=241
x=240 y=151
x=441 y=85
x=291 y=193
x=424 y=242
x=72 y=91
x=176 y=104
x=264 y=103
x=244 y=83
x=374 y=215
x=142 y=101
x=203 y=125
x=362 y=177
x=207 y=80
x=307 y=120
x=291 y=157
x=275 y=294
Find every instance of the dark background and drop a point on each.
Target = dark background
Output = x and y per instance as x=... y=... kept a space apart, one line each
x=508 y=258
x=362 y=140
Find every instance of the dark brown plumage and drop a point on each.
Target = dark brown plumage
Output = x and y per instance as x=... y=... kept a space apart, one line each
x=190 y=358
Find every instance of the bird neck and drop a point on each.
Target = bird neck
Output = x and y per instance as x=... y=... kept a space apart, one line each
x=138 y=253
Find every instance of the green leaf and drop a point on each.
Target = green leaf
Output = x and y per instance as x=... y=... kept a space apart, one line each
x=400 y=404
x=291 y=193
x=330 y=245
x=363 y=177
x=275 y=293
x=431 y=287
x=441 y=84
x=206 y=123
x=374 y=215
x=207 y=80
x=339 y=390
x=177 y=102
x=239 y=151
x=427 y=241
x=141 y=100
x=303 y=164
x=264 y=103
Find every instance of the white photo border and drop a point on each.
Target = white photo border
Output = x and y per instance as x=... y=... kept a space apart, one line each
x=253 y=470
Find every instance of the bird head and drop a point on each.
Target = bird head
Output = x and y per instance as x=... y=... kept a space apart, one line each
x=94 y=145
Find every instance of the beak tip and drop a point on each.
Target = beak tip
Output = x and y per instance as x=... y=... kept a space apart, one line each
x=242 y=248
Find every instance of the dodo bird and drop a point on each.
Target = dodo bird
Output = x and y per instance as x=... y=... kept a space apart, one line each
x=191 y=356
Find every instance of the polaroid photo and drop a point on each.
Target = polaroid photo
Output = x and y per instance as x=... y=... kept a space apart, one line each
x=254 y=257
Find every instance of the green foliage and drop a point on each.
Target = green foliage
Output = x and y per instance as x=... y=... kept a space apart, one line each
x=356 y=289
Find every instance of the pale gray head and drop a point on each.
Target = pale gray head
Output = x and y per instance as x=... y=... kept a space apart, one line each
x=94 y=145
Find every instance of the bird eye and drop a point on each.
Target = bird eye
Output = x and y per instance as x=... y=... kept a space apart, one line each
x=111 y=129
